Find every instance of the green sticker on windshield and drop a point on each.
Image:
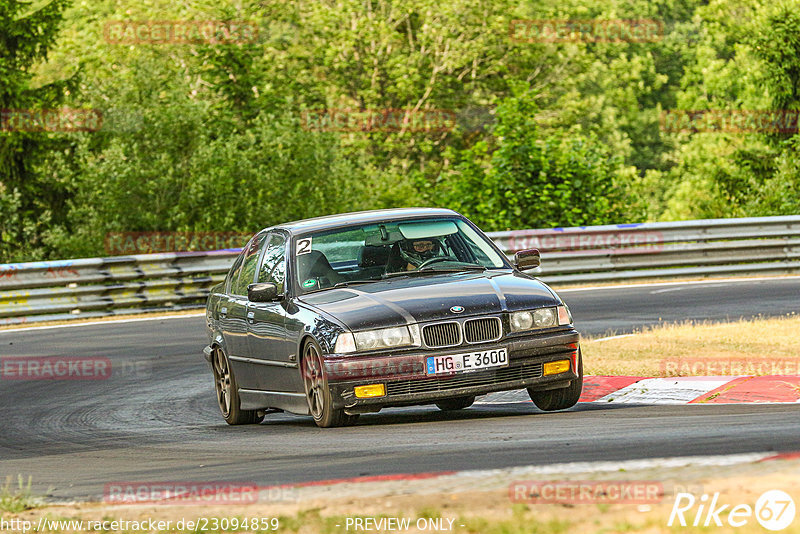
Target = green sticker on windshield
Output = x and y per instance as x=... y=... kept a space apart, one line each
x=310 y=283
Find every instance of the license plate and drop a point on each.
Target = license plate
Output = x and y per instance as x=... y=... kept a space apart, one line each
x=470 y=361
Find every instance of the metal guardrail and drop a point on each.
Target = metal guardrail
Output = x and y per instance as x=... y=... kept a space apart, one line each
x=65 y=289
x=96 y=287
x=700 y=248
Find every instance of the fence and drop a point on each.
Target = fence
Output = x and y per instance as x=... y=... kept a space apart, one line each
x=65 y=289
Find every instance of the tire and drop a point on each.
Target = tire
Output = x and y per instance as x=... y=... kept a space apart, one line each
x=459 y=403
x=560 y=399
x=318 y=394
x=228 y=393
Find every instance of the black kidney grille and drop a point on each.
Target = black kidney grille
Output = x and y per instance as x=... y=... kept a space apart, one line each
x=480 y=330
x=478 y=378
x=442 y=334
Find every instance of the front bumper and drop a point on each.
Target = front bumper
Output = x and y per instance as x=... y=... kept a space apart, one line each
x=407 y=382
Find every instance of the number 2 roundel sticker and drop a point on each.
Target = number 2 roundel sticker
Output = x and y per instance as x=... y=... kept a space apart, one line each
x=303 y=246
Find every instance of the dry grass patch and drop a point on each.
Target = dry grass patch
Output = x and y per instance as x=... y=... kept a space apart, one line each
x=660 y=350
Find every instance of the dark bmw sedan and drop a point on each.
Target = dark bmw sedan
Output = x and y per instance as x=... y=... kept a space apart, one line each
x=337 y=316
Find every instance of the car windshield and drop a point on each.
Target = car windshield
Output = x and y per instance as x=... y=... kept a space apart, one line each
x=360 y=254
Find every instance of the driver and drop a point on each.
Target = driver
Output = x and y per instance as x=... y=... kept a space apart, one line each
x=415 y=252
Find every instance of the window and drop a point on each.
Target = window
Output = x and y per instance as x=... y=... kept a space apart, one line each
x=249 y=264
x=233 y=274
x=273 y=266
x=365 y=252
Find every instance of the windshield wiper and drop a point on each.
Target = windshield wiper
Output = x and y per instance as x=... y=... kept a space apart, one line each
x=355 y=282
x=408 y=273
x=434 y=270
x=460 y=268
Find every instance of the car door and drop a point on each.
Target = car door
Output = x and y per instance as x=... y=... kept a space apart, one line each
x=236 y=339
x=227 y=322
x=269 y=347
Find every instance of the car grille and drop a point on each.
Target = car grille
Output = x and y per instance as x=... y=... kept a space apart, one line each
x=449 y=334
x=478 y=378
x=442 y=334
x=480 y=330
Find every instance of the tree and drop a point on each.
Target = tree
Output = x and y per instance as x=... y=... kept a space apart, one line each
x=748 y=59
x=533 y=181
x=33 y=201
x=776 y=42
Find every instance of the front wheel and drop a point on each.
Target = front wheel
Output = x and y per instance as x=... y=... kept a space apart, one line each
x=560 y=399
x=228 y=393
x=318 y=394
x=459 y=403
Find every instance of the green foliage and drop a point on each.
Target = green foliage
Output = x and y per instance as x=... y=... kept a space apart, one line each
x=211 y=138
x=533 y=181
x=776 y=42
x=185 y=175
x=16 y=499
x=30 y=201
x=748 y=59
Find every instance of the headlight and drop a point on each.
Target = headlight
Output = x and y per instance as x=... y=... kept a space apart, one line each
x=540 y=318
x=384 y=338
x=544 y=317
x=521 y=321
x=368 y=340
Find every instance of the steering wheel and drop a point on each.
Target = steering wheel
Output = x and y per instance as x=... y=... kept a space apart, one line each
x=435 y=259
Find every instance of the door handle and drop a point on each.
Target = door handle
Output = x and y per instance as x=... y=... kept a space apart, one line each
x=251 y=317
x=223 y=312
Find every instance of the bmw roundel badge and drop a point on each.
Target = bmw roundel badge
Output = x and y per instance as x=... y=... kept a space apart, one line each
x=457 y=309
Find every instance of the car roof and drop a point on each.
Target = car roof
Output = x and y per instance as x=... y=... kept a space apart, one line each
x=361 y=217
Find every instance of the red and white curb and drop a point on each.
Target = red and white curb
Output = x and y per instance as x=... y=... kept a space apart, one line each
x=677 y=390
x=451 y=482
x=493 y=479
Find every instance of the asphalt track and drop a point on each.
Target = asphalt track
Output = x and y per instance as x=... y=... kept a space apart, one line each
x=157 y=420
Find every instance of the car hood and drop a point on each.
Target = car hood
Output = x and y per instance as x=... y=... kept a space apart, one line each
x=418 y=299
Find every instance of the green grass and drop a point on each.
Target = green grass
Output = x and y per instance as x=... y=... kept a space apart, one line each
x=16 y=499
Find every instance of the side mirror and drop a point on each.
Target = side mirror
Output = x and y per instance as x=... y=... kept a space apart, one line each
x=263 y=292
x=527 y=259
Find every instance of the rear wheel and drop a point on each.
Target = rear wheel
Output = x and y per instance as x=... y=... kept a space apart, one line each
x=459 y=403
x=228 y=393
x=318 y=394
x=560 y=399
